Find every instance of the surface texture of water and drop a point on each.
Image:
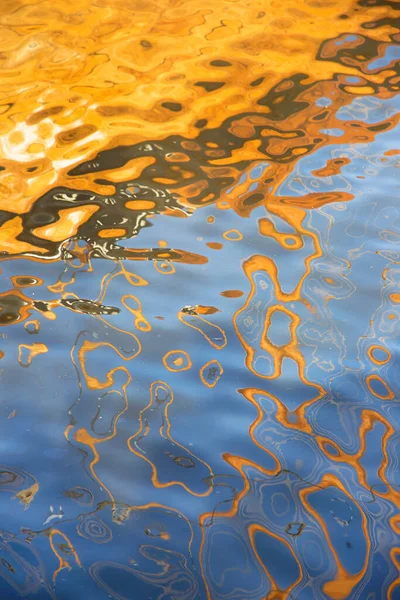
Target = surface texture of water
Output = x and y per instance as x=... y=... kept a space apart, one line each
x=200 y=299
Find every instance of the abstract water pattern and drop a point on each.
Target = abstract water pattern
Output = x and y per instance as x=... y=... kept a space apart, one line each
x=200 y=299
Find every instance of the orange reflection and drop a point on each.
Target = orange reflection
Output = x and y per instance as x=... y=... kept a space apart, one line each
x=214 y=334
x=165 y=433
x=343 y=584
x=64 y=564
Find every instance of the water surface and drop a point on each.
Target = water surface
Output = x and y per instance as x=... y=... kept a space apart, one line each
x=200 y=299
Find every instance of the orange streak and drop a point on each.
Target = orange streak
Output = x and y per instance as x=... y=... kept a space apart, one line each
x=64 y=564
x=68 y=224
x=341 y=587
x=218 y=346
x=144 y=432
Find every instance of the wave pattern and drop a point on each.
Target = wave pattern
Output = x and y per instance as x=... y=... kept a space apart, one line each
x=200 y=299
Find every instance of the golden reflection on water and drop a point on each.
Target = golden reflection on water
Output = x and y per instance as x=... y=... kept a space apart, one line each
x=115 y=114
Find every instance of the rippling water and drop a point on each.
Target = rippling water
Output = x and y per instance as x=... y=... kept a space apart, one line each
x=200 y=299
